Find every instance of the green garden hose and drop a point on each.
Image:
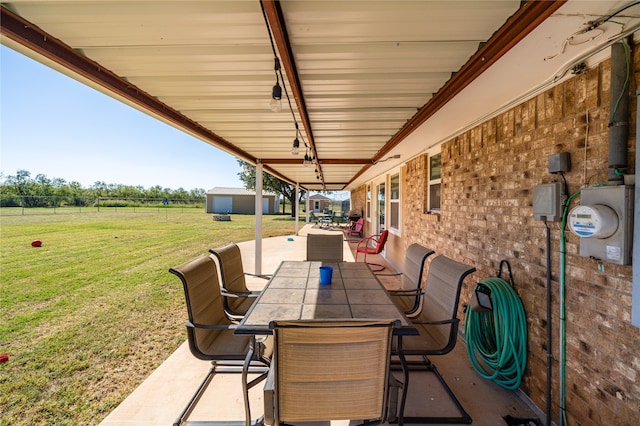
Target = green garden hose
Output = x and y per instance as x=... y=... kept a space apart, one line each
x=497 y=338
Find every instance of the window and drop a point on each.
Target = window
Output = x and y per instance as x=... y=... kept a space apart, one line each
x=394 y=202
x=433 y=183
x=381 y=225
x=368 y=202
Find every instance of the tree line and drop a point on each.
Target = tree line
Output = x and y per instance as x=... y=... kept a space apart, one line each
x=39 y=190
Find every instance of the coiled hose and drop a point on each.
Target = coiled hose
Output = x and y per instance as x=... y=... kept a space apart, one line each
x=497 y=338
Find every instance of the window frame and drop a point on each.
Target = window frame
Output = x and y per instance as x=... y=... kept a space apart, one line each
x=431 y=183
x=368 y=202
x=394 y=203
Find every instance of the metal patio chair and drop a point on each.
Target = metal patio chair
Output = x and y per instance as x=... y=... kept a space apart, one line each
x=211 y=334
x=238 y=298
x=329 y=370
x=354 y=229
x=408 y=297
x=437 y=323
x=325 y=247
x=372 y=245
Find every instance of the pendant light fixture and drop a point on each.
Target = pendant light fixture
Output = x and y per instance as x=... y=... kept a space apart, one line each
x=275 y=104
x=295 y=149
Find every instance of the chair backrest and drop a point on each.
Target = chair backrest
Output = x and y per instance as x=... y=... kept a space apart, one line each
x=331 y=370
x=414 y=261
x=325 y=247
x=357 y=227
x=231 y=269
x=441 y=298
x=381 y=241
x=204 y=303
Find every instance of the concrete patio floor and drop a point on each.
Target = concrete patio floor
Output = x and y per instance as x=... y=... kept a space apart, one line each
x=160 y=399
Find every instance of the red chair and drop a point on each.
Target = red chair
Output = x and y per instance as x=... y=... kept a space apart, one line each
x=354 y=229
x=372 y=245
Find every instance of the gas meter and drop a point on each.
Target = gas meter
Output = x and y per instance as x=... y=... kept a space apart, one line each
x=604 y=223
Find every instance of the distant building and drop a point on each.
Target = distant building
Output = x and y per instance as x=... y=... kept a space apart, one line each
x=239 y=201
x=318 y=203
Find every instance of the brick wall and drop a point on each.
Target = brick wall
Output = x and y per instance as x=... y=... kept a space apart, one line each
x=486 y=215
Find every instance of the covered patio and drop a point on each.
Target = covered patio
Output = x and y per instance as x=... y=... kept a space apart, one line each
x=469 y=127
x=160 y=399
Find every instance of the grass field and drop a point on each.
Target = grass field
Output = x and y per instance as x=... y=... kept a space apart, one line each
x=90 y=314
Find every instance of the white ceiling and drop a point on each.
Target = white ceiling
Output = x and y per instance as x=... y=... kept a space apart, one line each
x=358 y=73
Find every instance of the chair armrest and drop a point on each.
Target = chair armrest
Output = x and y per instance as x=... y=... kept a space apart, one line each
x=443 y=322
x=364 y=241
x=269 y=397
x=238 y=294
x=190 y=324
x=263 y=276
x=405 y=292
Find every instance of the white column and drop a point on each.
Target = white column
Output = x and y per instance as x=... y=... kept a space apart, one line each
x=258 y=235
x=296 y=207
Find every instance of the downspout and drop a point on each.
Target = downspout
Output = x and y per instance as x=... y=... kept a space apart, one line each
x=619 y=116
x=635 y=294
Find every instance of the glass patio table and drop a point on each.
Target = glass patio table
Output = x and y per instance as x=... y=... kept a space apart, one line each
x=294 y=292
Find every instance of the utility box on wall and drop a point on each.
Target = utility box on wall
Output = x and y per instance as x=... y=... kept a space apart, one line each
x=604 y=223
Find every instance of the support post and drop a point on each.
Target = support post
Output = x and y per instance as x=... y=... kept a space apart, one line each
x=258 y=234
x=297 y=209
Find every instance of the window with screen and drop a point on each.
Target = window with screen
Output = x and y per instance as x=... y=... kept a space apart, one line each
x=432 y=183
x=394 y=202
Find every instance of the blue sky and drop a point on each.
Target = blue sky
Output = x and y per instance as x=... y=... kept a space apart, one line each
x=53 y=125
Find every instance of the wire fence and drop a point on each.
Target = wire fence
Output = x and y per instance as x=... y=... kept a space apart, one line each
x=27 y=205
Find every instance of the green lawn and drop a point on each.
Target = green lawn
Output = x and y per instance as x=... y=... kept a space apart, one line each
x=89 y=315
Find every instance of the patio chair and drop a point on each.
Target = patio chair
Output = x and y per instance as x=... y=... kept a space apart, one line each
x=372 y=245
x=408 y=297
x=313 y=218
x=326 y=220
x=325 y=247
x=329 y=370
x=354 y=229
x=211 y=334
x=238 y=298
x=437 y=323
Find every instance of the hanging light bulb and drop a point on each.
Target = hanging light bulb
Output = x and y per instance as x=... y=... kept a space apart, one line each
x=307 y=160
x=275 y=104
x=295 y=149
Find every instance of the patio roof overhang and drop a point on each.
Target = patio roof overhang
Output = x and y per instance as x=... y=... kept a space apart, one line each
x=385 y=81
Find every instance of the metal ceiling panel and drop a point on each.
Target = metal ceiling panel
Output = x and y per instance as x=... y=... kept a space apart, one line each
x=357 y=73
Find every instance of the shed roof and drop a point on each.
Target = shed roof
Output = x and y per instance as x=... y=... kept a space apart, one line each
x=319 y=197
x=221 y=190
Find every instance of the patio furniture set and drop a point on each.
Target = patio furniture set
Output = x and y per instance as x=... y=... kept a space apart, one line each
x=324 y=351
x=329 y=219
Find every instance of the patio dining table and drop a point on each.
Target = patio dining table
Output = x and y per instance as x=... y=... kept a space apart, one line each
x=294 y=292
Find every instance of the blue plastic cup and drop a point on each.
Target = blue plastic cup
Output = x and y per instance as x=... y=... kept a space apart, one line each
x=325 y=274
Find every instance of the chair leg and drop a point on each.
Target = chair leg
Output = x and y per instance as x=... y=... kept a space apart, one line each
x=246 y=384
x=196 y=396
x=464 y=417
x=376 y=267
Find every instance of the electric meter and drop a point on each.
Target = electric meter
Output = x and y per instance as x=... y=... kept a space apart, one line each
x=596 y=220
